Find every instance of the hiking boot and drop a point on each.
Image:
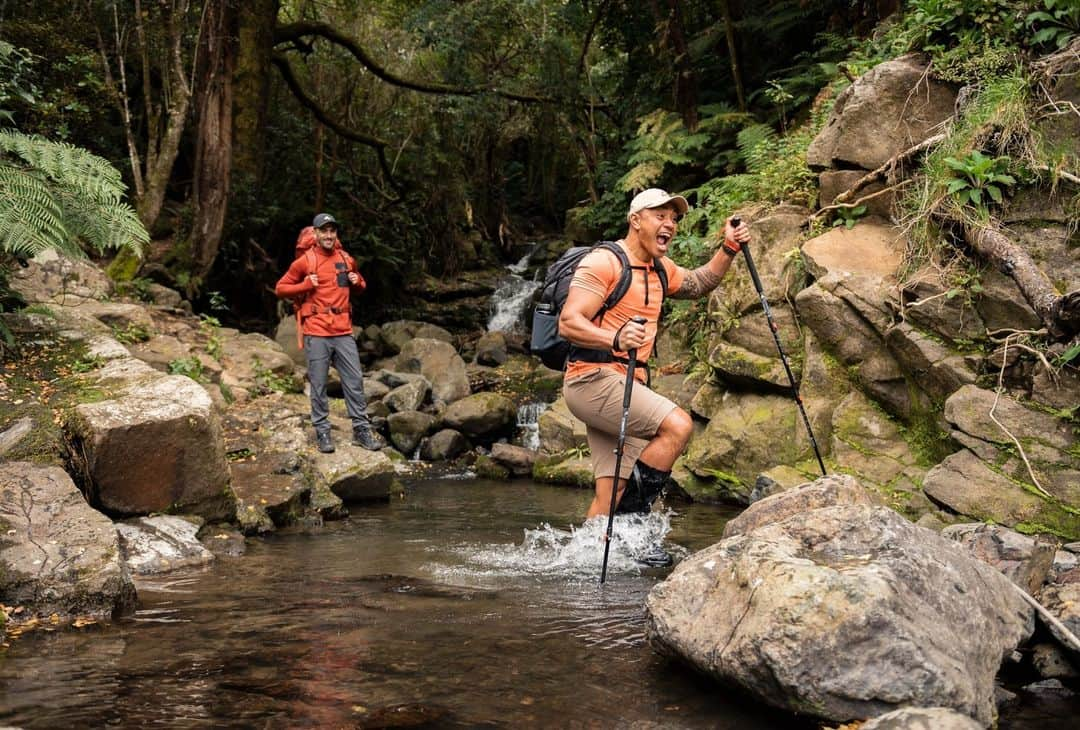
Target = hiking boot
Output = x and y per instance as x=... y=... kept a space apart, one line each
x=655 y=557
x=642 y=489
x=324 y=442
x=364 y=438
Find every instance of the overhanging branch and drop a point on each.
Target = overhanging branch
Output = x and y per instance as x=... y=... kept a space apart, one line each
x=296 y=31
x=379 y=145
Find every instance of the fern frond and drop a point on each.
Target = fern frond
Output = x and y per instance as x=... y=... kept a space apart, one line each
x=66 y=164
x=102 y=225
x=30 y=219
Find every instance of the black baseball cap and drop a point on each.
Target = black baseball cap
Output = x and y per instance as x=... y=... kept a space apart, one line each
x=324 y=219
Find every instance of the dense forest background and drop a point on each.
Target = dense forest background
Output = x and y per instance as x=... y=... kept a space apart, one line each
x=443 y=133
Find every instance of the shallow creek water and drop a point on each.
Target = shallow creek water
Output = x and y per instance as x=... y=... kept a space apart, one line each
x=467 y=603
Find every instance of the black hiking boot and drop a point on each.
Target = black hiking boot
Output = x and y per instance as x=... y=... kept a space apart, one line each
x=655 y=557
x=324 y=442
x=364 y=438
x=642 y=489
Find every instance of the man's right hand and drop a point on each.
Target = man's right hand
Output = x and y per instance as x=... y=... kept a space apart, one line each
x=314 y=279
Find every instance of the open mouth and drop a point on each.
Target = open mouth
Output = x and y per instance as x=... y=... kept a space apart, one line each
x=663 y=239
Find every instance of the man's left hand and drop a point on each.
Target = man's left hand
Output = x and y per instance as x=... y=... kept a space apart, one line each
x=735 y=237
x=353 y=277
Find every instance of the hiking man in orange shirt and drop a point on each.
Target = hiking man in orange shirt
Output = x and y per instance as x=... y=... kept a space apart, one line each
x=657 y=429
x=325 y=278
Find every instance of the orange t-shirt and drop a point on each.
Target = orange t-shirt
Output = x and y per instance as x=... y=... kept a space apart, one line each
x=598 y=273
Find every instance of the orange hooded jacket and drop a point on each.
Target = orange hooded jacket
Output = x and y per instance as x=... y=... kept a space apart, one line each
x=323 y=310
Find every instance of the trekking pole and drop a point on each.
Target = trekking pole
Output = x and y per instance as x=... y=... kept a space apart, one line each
x=630 y=366
x=735 y=221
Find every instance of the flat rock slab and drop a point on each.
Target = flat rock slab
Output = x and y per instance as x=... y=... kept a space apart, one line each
x=162 y=543
x=59 y=555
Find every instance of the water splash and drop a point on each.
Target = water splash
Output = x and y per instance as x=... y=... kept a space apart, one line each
x=528 y=423
x=576 y=553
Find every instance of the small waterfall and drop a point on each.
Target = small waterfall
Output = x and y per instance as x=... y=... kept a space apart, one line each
x=528 y=423
x=512 y=298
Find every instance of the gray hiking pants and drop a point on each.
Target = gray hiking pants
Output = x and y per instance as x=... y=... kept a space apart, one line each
x=340 y=352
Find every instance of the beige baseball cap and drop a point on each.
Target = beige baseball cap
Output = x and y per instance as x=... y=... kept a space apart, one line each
x=654 y=198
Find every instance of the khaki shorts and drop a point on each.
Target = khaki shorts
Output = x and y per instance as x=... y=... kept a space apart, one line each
x=596 y=398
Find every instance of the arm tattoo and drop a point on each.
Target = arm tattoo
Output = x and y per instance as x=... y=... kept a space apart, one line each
x=697 y=283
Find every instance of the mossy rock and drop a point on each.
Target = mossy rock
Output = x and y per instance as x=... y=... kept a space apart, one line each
x=565 y=469
x=486 y=468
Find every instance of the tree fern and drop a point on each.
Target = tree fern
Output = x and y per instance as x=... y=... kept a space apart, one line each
x=56 y=195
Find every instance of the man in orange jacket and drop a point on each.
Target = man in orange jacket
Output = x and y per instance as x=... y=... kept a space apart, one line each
x=325 y=278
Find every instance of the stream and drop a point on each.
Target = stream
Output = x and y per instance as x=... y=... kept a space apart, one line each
x=468 y=603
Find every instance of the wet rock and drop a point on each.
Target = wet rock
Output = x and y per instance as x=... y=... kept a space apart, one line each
x=775 y=480
x=491 y=349
x=223 y=540
x=841 y=612
x=517 y=459
x=1024 y=560
x=261 y=489
x=921 y=718
x=407 y=428
x=482 y=415
x=487 y=468
x=60 y=556
x=443 y=445
x=355 y=474
x=888 y=109
x=162 y=543
x=574 y=471
x=1052 y=663
x=826 y=491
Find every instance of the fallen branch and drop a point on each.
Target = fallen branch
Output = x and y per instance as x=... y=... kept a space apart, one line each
x=860 y=201
x=1068 y=638
x=888 y=166
x=1016 y=441
x=1060 y=313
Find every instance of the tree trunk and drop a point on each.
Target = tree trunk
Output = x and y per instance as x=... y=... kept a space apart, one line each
x=669 y=26
x=736 y=74
x=1060 y=314
x=213 y=146
x=163 y=144
x=256 y=20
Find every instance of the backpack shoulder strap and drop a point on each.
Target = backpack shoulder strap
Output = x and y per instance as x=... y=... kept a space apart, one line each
x=625 y=276
x=661 y=271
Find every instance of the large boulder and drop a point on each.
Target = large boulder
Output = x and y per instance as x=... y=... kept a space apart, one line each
x=827 y=491
x=59 y=555
x=393 y=336
x=440 y=363
x=443 y=445
x=407 y=428
x=890 y=108
x=54 y=278
x=1025 y=560
x=560 y=430
x=921 y=718
x=155 y=445
x=843 y=612
x=484 y=416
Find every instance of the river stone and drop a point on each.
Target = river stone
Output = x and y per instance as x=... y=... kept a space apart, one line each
x=223 y=540
x=407 y=397
x=481 y=415
x=572 y=470
x=921 y=718
x=395 y=335
x=375 y=390
x=843 y=612
x=491 y=349
x=1025 y=560
x=1050 y=662
x=15 y=433
x=559 y=429
x=825 y=491
x=443 y=445
x=407 y=428
x=59 y=555
x=162 y=543
x=439 y=362
x=517 y=459
x=889 y=109
x=355 y=474
x=155 y=446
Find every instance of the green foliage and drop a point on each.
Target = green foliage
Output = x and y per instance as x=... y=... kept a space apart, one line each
x=269 y=381
x=848 y=216
x=131 y=334
x=211 y=329
x=189 y=366
x=1055 y=24
x=54 y=195
x=1070 y=354
x=979 y=179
